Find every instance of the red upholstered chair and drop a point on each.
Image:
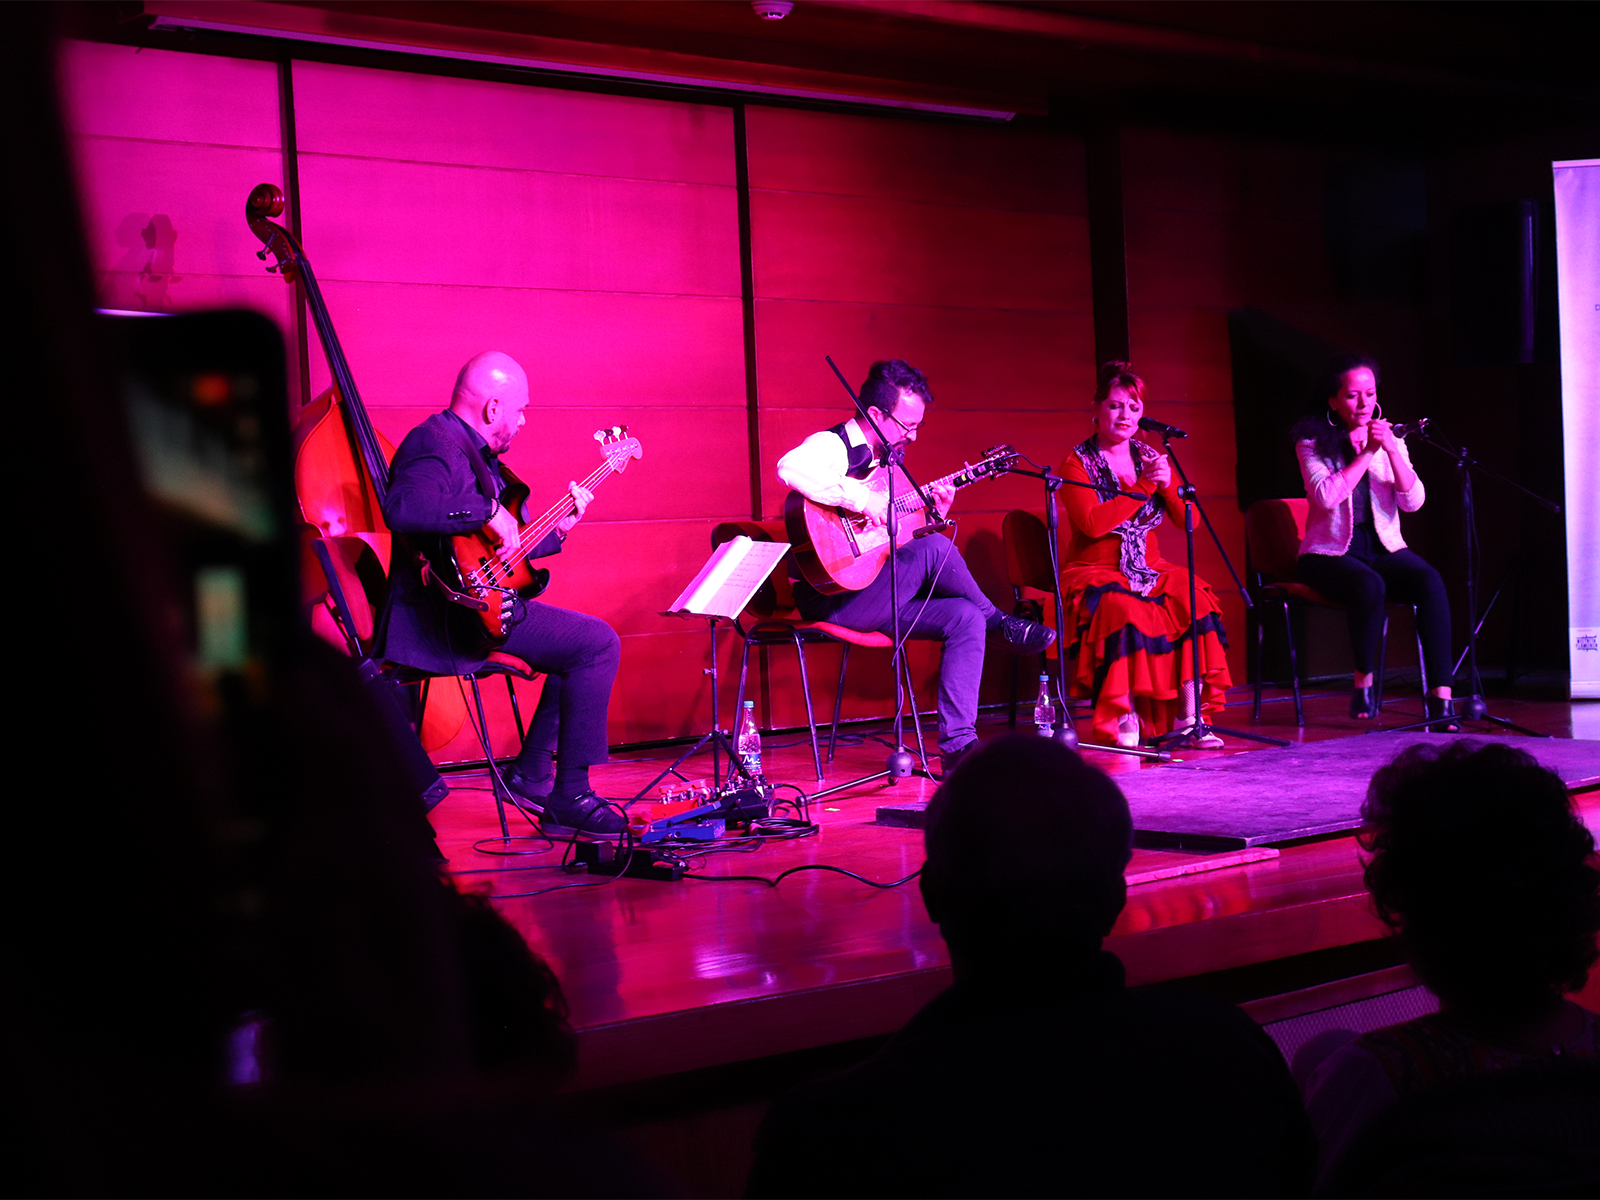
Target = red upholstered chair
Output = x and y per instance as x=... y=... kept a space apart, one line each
x=1026 y=540
x=1273 y=531
x=775 y=621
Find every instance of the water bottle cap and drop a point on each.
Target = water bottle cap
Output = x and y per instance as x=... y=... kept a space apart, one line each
x=1044 y=679
x=749 y=703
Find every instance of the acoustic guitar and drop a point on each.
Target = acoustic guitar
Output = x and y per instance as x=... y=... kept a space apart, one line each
x=840 y=551
x=469 y=569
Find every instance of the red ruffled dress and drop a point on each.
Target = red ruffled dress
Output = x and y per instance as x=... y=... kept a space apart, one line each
x=1126 y=622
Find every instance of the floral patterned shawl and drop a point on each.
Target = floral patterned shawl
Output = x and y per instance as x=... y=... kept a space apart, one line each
x=1134 y=530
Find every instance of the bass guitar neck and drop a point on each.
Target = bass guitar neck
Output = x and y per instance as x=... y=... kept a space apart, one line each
x=490 y=583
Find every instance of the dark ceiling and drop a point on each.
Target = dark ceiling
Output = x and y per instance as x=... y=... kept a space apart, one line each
x=1353 y=68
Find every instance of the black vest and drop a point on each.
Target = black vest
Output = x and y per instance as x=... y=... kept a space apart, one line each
x=861 y=458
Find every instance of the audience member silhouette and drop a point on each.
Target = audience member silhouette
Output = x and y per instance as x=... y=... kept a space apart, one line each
x=1038 y=1072
x=1478 y=861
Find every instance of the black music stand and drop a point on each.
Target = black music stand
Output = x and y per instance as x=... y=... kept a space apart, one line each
x=714 y=613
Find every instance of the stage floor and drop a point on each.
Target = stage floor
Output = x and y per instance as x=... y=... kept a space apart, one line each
x=664 y=977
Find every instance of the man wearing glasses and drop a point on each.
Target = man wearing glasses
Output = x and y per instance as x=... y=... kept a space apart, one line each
x=938 y=596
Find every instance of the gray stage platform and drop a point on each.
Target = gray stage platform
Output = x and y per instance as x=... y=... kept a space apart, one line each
x=1278 y=795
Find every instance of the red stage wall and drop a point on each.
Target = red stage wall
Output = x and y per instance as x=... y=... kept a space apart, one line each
x=596 y=239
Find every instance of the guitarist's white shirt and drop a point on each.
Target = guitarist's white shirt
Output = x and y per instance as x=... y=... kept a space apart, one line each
x=817 y=467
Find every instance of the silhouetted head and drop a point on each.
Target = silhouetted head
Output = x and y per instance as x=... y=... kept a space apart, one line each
x=1479 y=861
x=490 y=393
x=1026 y=849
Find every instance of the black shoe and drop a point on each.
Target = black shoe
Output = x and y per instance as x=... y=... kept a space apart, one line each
x=1362 y=704
x=1440 y=710
x=525 y=789
x=1024 y=636
x=587 y=815
x=948 y=759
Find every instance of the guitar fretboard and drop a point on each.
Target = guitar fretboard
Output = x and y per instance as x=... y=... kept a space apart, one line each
x=911 y=502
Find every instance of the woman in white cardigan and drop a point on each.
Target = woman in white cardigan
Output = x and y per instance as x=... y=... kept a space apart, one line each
x=1359 y=479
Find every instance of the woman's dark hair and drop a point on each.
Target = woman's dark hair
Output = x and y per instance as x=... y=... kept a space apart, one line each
x=1117 y=374
x=886 y=380
x=1478 y=861
x=1331 y=441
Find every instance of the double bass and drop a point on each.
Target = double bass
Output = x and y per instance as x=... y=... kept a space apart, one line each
x=341 y=478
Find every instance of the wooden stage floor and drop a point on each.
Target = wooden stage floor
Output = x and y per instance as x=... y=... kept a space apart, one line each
x=666 y=977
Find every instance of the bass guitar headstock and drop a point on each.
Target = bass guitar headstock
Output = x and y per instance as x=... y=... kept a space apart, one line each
x=618 y=447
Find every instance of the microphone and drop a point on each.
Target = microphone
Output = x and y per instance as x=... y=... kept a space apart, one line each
x=1406 y=429
x=1166 y=431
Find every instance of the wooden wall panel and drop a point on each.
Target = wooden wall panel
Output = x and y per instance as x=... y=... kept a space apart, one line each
x=594 y=238
x=1031 y=360
x=904 y=252
x=613 y=351
x=419 y=118
x=1213 y=224
x=983 y=166
x=167 y=146
x=962 y=249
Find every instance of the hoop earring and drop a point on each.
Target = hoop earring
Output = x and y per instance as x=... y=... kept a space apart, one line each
x=1332 y=420
x=1377 y=411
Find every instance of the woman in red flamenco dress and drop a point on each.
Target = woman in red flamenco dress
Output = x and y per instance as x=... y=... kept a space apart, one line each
x=1126 y=620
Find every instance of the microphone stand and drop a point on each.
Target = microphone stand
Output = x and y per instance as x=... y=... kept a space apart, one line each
x=1068 y=736
x=1191 y=501
x=1473 y=708
x=901 y=763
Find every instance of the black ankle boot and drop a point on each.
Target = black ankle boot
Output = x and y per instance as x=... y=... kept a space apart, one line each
x=1362 y=706
x=1440 y=710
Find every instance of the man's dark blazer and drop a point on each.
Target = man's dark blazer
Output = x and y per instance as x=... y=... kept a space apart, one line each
x=434 y=492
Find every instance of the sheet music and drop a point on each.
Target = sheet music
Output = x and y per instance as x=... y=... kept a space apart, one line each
x=729 y=579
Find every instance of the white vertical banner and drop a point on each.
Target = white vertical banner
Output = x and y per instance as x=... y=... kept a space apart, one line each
x=1577 y=186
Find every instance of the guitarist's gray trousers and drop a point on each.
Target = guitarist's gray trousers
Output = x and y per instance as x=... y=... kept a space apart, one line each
x=940 y=600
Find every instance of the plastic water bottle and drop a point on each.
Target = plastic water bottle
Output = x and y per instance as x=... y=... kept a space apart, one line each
x=1044 y=709
x=748 y=743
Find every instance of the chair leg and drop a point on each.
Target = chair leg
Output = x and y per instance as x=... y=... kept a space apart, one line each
x=838 y=699
x=916 y=717
x=516 y=712
x=1294 y=667
x=1383 y=657
x=488 y=755
x=805 y=690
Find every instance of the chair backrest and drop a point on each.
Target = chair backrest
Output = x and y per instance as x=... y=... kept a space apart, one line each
x=1273 y=531
x=1027 y=547
x=775 y=597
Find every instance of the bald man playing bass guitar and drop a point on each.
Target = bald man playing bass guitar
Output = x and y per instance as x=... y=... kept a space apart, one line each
x=448 y=481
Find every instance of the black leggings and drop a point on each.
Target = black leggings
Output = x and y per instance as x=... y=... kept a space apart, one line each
x=1368 y=577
